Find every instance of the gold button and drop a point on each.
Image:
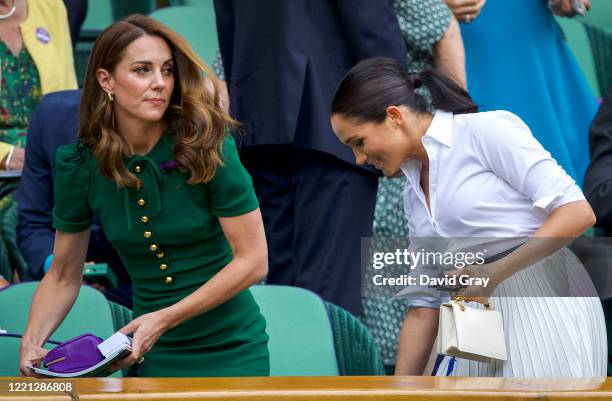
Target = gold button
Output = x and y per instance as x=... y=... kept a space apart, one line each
x=138 y=169
x=144 y=219
x=160 y=255
x=147 y=234
x=163 y=267
x=153 y=247
x=141 y=202
x=169 y=280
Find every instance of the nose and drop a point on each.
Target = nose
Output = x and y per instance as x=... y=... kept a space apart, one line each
x=159 y=82
x=360 y=158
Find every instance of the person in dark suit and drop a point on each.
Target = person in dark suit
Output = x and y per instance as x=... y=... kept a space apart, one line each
x=77 y=11
x=54 y=123
x=283 y=60
x=598 y=178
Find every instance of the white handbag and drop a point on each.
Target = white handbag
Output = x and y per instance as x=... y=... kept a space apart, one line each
x=471 y=333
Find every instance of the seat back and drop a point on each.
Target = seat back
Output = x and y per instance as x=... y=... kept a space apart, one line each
x=301 y=339
x=9 y=355
x=600 y=14
x=578 y=41
x=90 y=313
x=196 y=24
x=99 y=16
x=122 y=8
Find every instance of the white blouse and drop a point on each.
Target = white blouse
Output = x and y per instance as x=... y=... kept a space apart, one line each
x=491 y=185
x=488 y=177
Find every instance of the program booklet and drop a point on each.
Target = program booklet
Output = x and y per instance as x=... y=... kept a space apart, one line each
x=114 y=348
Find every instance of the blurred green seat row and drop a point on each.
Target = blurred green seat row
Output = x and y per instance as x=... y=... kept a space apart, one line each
x=193 y=19
x=308 y=337
x=590 y=38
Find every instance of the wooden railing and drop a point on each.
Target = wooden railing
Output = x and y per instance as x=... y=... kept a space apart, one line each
x=317 y=388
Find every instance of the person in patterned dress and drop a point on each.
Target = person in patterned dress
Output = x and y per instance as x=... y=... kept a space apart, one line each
x=432 y=39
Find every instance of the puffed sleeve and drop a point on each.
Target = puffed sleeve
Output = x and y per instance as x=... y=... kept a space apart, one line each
x=231 y=190
x=508 y=148
x=71 y=213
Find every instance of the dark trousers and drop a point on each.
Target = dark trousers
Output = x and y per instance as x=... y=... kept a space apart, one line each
x=316 y=208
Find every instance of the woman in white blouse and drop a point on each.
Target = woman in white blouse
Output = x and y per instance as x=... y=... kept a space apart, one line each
x=480 y=175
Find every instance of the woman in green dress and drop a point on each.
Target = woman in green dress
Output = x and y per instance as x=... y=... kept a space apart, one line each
x=154 y=161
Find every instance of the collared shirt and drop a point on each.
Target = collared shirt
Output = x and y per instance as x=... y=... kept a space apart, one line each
x=491 y=185
x=488 y=177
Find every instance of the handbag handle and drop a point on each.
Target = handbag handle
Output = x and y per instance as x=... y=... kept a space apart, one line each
x=458 y=298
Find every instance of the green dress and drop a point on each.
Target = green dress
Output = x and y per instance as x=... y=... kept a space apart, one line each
x=169 y=238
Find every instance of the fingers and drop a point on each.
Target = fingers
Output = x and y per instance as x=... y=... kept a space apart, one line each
x=461 y=3
x=124 y=363
x=130 y=327
x=466 y=10
x=25 y=371
x=587 y=4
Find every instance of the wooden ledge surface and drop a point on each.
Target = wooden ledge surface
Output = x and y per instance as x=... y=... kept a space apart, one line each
x=322 y=388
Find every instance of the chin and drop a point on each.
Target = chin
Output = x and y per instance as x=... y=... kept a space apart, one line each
x=153 y=117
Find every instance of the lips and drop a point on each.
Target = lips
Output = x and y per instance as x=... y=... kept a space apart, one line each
x=156 y=101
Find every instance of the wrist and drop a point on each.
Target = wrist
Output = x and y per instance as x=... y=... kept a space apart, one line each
x=168 y=319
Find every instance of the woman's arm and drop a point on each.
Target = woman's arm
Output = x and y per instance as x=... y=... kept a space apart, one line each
x=562 y=225
x=54 y=296
x=246 y=237
x=416 y=340
x=450 y=55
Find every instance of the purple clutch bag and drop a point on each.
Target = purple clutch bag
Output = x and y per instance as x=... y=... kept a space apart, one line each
x=74 y=355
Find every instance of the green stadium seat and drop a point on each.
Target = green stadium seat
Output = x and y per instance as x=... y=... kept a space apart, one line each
x=578 y=41
x=601 y=44
x=310 y=337
x=123 y=8
x=90 y=313
x=600 y=14
x=196 y=24
x=9 y=349
x=99 y=16
x=301 y=338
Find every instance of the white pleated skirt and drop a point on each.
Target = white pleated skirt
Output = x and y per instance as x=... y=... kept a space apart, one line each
x=546 y=336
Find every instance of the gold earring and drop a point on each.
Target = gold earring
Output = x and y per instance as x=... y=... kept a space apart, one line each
x=110 y=96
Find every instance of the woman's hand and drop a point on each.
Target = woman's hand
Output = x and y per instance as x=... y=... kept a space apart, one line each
x=17 y=159
x=465 y=10
x=145 y=331
x=30 y=355
x=485 y=279
x=563 y=8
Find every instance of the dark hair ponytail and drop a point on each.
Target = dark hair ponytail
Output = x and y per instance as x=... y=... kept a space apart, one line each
x=377 y=83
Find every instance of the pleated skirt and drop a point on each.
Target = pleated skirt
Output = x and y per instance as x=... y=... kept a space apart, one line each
x=553 y=324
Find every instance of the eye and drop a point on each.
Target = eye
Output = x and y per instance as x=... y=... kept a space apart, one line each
x=168 y=70
x=359 y=143
x=141 y=70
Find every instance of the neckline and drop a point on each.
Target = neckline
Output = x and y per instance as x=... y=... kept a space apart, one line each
x=154 y=150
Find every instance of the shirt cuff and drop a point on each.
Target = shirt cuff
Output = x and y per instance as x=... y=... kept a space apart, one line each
x=551 y=202
x=70 y=226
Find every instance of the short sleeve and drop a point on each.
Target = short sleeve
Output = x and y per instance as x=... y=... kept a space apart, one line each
x=231 y=190
x=508 y=148
x=71 y=213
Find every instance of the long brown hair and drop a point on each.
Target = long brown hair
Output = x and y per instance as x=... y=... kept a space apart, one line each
x=194 y=116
